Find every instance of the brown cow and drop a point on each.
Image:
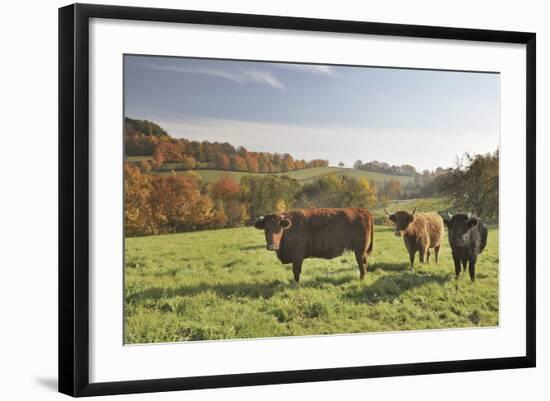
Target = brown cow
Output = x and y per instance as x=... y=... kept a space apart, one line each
x=421 y=232
x=318 y=233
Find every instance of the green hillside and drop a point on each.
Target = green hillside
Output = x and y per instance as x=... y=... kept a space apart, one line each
x=371 y=175
x=303 y=175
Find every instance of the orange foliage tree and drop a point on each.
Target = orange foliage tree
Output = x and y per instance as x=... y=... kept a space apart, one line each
x=177 y=204
x=137 y=211
x=226 y=193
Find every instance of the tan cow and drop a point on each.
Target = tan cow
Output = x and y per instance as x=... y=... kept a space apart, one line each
x=421 y=232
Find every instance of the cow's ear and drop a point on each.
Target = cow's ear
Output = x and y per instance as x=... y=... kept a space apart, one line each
x=391 y=217
x=411 y=217
x=474 y=221
x=260 y=224
x=447 y=223
x=285 y=223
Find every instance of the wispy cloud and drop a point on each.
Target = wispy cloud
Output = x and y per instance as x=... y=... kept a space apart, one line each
x=311 y=68
x=263 y=77
x=239 y=76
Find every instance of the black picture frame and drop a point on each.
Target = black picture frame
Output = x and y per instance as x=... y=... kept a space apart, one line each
x=74 y=198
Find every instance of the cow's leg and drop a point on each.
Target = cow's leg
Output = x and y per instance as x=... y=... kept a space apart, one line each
x=422 y=254
x=411 y=258
x=464 y=264
x=428 y=256
x=456 y=259
x=361 y=259
x=297 y=269
x=472 y=268
x=436 y=251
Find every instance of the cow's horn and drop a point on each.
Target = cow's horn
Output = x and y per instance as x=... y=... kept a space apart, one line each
x=449 y=215
x=414 y=211
x=388 y=213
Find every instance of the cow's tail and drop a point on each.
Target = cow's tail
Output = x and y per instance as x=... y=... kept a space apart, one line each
x=371 y=243
x=483 y=232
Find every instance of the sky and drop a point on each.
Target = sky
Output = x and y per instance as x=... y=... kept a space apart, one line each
x=340 y=113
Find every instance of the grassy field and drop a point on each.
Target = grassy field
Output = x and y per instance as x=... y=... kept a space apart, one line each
x=304 y=175
x=224 y=284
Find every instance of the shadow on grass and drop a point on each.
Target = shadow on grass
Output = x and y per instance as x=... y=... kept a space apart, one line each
x=250 y=290
x=389 y=266
x=321 y=281
x=388 y=288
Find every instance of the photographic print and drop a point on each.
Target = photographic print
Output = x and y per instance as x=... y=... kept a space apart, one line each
x=274 y=199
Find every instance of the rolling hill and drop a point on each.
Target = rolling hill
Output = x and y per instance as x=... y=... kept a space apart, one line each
x=303 y=175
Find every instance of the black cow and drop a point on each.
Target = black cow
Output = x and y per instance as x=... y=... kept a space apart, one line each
x=467 y=238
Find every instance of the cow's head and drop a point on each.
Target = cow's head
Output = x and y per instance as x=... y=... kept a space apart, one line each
x=459 y=227
x=401 y=220
x=273 y=226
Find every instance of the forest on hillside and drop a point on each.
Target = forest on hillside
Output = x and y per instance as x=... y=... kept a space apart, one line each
x=181 y=201
x=145 y=138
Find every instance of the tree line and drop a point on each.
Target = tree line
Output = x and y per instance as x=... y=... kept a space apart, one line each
x=145 y=138
x=158 y=204
x=385 y=168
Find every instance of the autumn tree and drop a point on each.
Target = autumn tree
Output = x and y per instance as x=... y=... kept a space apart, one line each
x=144 y=166
x=252 y=163
x=266 y=194
x=226 y=194
x=337 y=191
x=168 y=152
x=188 y=162
x=473 y=185
x=325 y=191
x=178 y=205
x=391 y=190
x=144 y=127
x=137 y=211
x=317 y=163
x=238 y=163
x=223 y=162
x=137 y=144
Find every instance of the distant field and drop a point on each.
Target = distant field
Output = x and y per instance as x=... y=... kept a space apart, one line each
x=303 y=175
x=224 y=284
x=373 y=176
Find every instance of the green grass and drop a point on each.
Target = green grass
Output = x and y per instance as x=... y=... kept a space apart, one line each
x=303 y=175
x=373 y=176
x=214 y=175
x=224 y=284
